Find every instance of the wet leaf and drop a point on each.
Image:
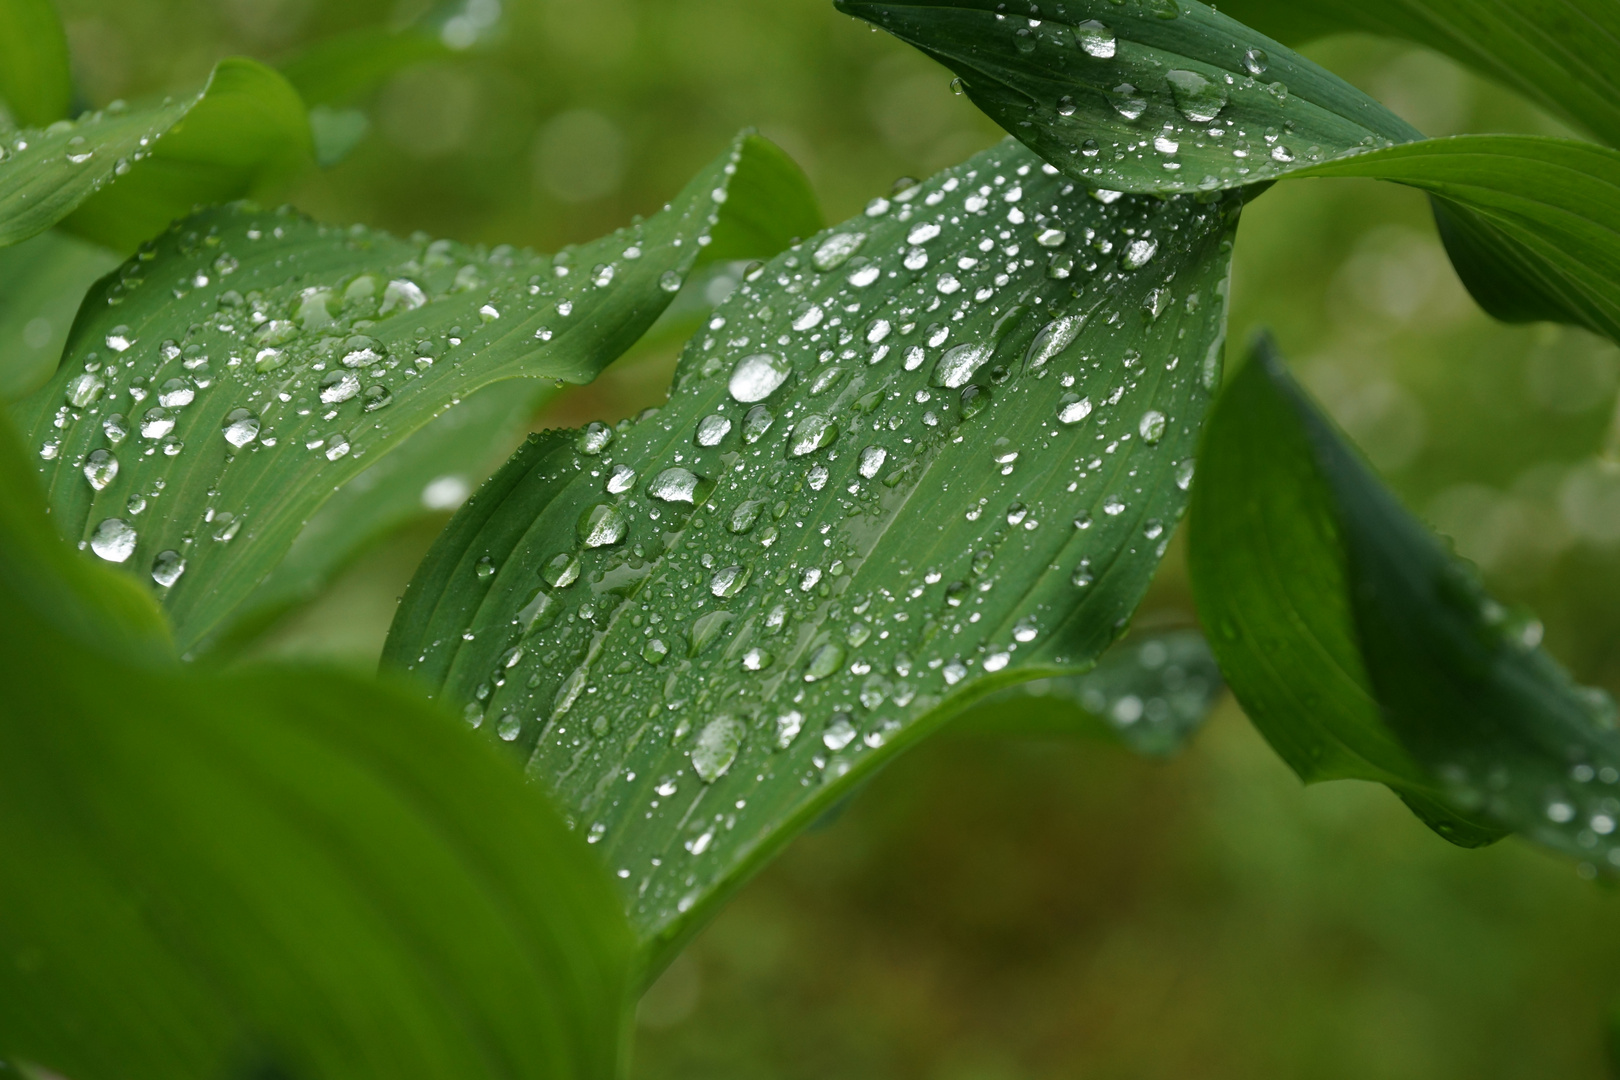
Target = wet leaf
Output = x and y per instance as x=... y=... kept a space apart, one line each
x=249 y=363
x=276 y=872
x=1151 y=692
x=1145 y=95
x=120 y=175
x=42 y=281
x=935 y=451
x=1362 y=648
x=36 y=86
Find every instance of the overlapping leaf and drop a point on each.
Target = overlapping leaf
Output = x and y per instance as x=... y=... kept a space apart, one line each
x=1142 y=95
x=280 y=872
x=933 y=452
x=42 y=282
x=1564 y=54
x=244 y=366
x=124 y=173
x=35 y=83
x=1361 y=648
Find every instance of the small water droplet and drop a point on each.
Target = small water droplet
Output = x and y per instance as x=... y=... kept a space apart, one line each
x=167 y=568
x=756 y=424
x=872 y=459
x=712 y=429
x=824 y=662
x=1255 y=61
x=84 y=389
x=836 y=250
x=1152 y=426
x=594 y=438
x=100 y=468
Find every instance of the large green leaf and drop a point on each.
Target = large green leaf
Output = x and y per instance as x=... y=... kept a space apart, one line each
x=1142 y=95
x=934 y=452
x=277 y=873
x=1361 y=647
x=1564 y=54
x=248 y=363
x=124 y=173
x=35 y=83
x=42 y=282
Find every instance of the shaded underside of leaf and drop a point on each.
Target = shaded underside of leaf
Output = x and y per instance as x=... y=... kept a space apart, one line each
x=1561 y=53
x=933 y=452
x=281 y=873
x=42 y=281
x=36 y=86
x=237 y=371
x=1146 y=95
x=120 y=175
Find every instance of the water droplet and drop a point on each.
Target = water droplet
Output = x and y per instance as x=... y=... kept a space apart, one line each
x=339 y=386
x=167 y=568
x=485 y=568
x=1096 y=39
x=1053 y=339
x=805 y=317
x=83 y=390
x=865 y=275
x=1138 y=253
x=509 y=727
x=670 y=282
x=116 y=428
x=675 y=485
x=594 y=438
x=1126 y=101
x=654 y=652
x=872 y=459
x=729 y=582
x=602 y=526
x=1199 y=99
x=118 y=339
x=157 y=423
x=788 y=726
x=706 y=630
x=717 y=747
x=113 y=540
x=1165 y=9
x=840 y=733
x=836 y=250
x=622 y=480
x=1152 y=426
x=757 y=660
x=923 y=233
x=402 y=294
x=562 y=571
x=1184 y=474
x=814 y=432
x=337 y=446
x=1073 y=408
x=1052 y=238
x=757 y=423
x=759 y=376
x=957 y=366
x=100 y=468
x=240 y=428
x=711 y=429
x=1255 y=61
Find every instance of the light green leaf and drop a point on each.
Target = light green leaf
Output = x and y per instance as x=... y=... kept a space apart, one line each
x=1144 y=95
x=36 y=86
x=42 y=281
x=247 y=364
x=933 y=452
x=1562 y=54
x=1362 y=649
x=280 y=872
x=1151 y=692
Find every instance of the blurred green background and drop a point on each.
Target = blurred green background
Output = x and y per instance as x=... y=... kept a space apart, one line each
x=996 y=910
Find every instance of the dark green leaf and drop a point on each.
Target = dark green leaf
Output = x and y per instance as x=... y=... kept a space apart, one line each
x=1144 y=95
x=283 y=872
x=1361 y=648
x=42 y=281
x=123 y=174
x=934 y=452
x=36 y=86
x=1560 y=53
x=255 y=362
x=1151 y=693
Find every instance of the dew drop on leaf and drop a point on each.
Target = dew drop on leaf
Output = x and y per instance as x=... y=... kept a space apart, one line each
x=1199 y=99
x=167 y=568
x=114 y=540
x=1096 y=39
x=602 y=526
x=100 y=468
x=759 y=376
x=717 y=747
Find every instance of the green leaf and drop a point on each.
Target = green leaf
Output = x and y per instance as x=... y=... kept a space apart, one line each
x=934 y=452
x=42 y=281
x=1559 y=53
x=36 y=86
x=280 y=872
x=120 y=175
x=248 y=363
x=1361 y=648
x=1145 y=95
x=1151 y=692
x=1532 y=224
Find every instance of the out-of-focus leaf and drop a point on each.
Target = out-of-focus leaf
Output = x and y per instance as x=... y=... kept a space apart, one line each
x=36 y=86
x=42 y=281
x=1563 y=54
x=120 y=175
x=1144 y=95
x=933 y=452
x=336 y=132
x=282 y=872
x=247 y=364
x=1361 y=648
x=1151 y=693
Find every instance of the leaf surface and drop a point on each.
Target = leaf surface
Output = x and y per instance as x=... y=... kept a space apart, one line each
x=281 y=872
x=1361 y=648
x=36 y=85
x=119 y=176
x=249 y=363
x=933 y=452
x=1146 y=95
x=42 y=281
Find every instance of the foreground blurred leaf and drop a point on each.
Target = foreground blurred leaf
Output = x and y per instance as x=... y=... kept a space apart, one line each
x=1145 y=95
x=1563 y=54
x=282 y=872
x=1361 y=648
x=42 y=281
x=36 y=86
x=1151 y=693
x=936 y=451
x=247 y=364
x=123 y=174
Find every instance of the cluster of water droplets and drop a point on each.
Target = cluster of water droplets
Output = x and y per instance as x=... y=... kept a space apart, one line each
x=832 y=525
x=70 y=159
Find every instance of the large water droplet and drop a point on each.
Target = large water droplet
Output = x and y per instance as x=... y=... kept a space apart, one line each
x=100 y=468
x=114 y=540
x=717 y=747
x=729 y=582
x=824 y=662
x=836 y=250
x=339 y=386
x=712 y=429
x=1152 y=426
x=1138 y=253
x=622 y=480
x=83 y=390
x=241 y=427
x=402 y=295
x=872 y=459
x=1199 y=99
x=1053 y=339
x=840 y=733
x=1255 y=61
x=806 y=317
x=167 y=568
x=759 y=376
x=594 y=438
x=602 y=526
x=1073 y=409
x=1126 y=101
x=812 y=433
x=675 y=485
x=562 y=571
x=957 y=366
x=756 y=424
x=1096 y=39
x=157 y=423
